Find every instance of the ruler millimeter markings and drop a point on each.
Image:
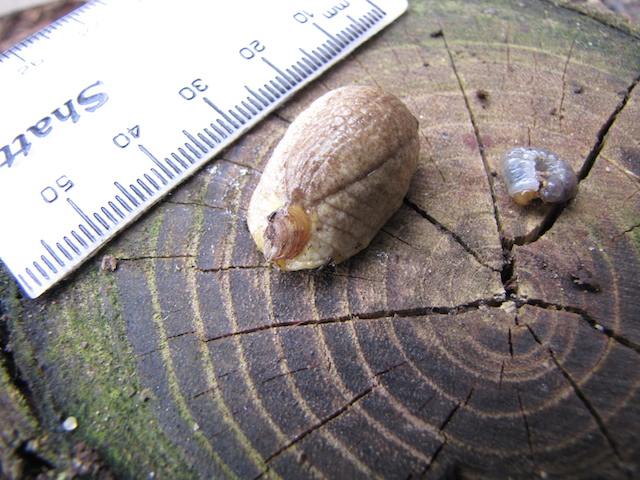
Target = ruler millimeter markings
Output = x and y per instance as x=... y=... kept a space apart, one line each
x=109 y=108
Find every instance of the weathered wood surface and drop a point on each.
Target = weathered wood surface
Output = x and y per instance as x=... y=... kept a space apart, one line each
x=19 y=25
x=472 y=339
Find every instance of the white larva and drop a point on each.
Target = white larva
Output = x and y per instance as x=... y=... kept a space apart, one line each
x=531 y=173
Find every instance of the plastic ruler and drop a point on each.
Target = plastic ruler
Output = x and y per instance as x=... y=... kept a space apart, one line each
x=106 y=110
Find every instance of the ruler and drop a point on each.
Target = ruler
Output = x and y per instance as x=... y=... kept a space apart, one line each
x=109 y=108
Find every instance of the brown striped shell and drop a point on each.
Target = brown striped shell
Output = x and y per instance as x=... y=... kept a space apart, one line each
x=336 y=177
x=287 y=233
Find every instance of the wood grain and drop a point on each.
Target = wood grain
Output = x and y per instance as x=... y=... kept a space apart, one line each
x=19 y=25
x=472 y=339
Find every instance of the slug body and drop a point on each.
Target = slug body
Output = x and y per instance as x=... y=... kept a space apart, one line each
x=531 y=173
x=336 y=177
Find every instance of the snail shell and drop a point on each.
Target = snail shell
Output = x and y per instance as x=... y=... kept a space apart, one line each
x=531 y=173
x=336 y=177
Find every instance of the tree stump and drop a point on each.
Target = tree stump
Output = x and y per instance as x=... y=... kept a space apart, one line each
x=473 y=338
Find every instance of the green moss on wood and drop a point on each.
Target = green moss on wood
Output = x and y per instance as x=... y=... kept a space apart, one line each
x=82 y=364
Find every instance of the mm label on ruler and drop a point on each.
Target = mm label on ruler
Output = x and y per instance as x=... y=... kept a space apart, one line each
x=109 y=108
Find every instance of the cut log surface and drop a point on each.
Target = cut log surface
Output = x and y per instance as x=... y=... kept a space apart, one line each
x=473 y=338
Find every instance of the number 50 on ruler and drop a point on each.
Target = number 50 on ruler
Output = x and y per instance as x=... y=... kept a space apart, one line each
x=109 y=108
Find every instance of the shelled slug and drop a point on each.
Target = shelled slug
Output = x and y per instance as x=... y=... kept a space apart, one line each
x=336 y=177
x=531 y=173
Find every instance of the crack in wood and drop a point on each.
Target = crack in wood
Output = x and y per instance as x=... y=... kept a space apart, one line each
x=508 y=280
x=208 y=390
x=501 y=376
x=290 y=372
x=476 y=129
x=582 y=396
x=402 y=240
x=194 y=204
x=588 y=164
x=377 y=315
x=526 y=422
x=507 y=274
x=321 y=423
x=432 y=460
x=390 y=369
x=276 y=114
x=154 y=257
x=510 y=348
x=178 y=335
x=623 y=233
x=446 y=231
x=432 y=160
x=12 y=370
x=532 y=101
x=334 y=273
x=558 y=112
x=508 y=50
x=455 y=410
x=545 y=225
x=232 y=268
x=585 y=316
x=434 y=457
x=144 y=354
x=222 y=158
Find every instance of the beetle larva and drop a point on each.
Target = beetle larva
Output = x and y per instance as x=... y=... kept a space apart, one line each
x=336 y=177
x=531 y=173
